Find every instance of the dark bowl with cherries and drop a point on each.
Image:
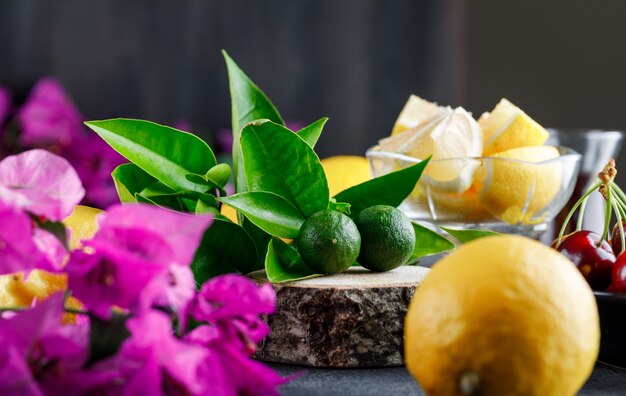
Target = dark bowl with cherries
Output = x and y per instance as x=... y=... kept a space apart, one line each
x=602 y=262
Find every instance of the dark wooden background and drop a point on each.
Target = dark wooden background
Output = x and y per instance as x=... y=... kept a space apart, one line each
x=355 y=61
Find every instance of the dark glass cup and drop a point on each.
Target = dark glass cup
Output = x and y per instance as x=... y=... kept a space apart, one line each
x=597 y=148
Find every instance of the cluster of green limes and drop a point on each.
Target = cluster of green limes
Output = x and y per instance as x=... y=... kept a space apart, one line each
x=381 y=238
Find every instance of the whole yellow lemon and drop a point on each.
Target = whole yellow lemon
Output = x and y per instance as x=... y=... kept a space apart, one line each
x=345 y=171
x=82 y=223
x=503 y=315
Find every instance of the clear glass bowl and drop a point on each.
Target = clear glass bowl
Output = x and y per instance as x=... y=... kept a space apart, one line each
x=498 y=194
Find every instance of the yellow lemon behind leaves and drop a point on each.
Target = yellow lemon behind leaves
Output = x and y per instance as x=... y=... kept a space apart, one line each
x=17 y=292
x=14 y=292
x=517 y=185
x=345 y=171
x=508 y=127
x=503 y=315
x=230 y=213
x=82 y=224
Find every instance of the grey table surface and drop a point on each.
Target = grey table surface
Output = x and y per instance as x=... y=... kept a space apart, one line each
x=605 y=380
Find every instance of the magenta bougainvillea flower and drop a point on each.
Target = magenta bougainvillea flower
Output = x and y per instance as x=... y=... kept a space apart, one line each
x=41 y=183
x=53 y=251
x=180 y=231
x=173 y=289
x=231 y=305
x=94 y=160
x=37 y=349
x=153 y=361
x=49 y=117
x=18 y=250
x=5 y=104
x=232 y=297
x=134 y=246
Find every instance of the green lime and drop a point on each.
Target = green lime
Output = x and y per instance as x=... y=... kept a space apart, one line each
x=329 y=242
x=387 y=238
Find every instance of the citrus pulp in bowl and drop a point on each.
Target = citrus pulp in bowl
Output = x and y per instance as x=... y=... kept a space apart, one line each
x=517 y=190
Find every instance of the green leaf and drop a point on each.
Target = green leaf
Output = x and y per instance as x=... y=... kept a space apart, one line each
x=201 y=180
x=57 y=229
x=428 y=242
x=390 y=189
x=279 y=161
x=129 y=180
x=219 y=174
x=268 y=211
x=202 y=208
x=312 y=132
x=248 y=103
x=184 y=201
x=341 y=207
x=465 y=236
x=260 y=238
x=165 y=153
x=225 y=247
x=156 y=189
x=106 y=336
x=283 y=263
x=168 y=202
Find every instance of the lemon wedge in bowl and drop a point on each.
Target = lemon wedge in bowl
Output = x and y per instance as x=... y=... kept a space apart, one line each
x=508 y=127
x=517 y=185
x=415 y=112
x=453 y=138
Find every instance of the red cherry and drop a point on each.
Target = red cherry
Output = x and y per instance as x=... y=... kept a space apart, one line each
x=593 y=257
x=618 y=281
x=616 y=241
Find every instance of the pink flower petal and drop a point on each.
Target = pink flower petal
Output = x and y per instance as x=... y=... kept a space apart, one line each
x=18 y=251
x=181 y=231
x=231 y=296
x=51 y=248
x=49 y=116
x=5 y=104
x=39 y=347
x=41 y=183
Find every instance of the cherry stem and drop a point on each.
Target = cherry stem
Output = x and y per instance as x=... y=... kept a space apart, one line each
x=581 y=214
x=619 y=192
x=583 y=205
x=607 y=214
x=618 y=213
x=621 y=203
x=576 y=205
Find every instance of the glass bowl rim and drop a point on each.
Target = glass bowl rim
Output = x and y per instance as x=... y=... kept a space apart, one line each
x=564 y=152
x=565 y=131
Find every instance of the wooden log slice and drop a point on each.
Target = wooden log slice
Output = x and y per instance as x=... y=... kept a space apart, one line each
x=354 y=319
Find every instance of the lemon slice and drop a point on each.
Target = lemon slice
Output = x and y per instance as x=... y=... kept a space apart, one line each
x=508 y=127
x=415 y=142
x=515 y=186
x=452 y=138
x=415 y=112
